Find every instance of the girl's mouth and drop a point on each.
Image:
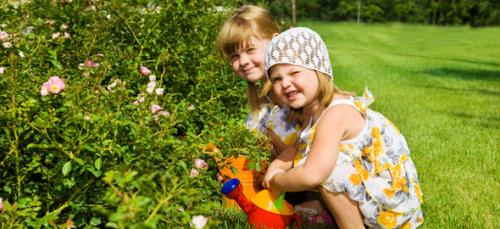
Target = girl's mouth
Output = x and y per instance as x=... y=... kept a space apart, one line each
x=249 y=70
x=292 y=95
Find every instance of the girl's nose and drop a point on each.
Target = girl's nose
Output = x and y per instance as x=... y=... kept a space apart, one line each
x=244 y=59
x=285 y=82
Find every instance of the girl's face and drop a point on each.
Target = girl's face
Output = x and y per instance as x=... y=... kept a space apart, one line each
x=248 y=61
x=295 y=86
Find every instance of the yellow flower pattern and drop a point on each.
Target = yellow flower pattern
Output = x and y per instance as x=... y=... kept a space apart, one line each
x=375 y=169
x=290 y=138
x=406 y=225
x=355 y=179
x=388 y=219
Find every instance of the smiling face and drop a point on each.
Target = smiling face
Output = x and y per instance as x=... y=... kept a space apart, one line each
x=248 y=61
x=295 y=86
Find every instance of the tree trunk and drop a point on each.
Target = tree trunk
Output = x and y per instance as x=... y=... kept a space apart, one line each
x=359 y=12
x=293 y=13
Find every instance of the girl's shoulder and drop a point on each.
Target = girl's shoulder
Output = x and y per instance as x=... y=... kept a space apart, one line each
x=359 y=103
x=346 y=114
x=340 y=114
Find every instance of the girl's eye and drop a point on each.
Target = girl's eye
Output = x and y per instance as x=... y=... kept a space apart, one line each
x=275 y=79
x=234 y=57
x=251 y=50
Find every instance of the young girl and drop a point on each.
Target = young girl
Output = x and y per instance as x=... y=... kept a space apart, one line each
x=355 y=157
x=243 y=39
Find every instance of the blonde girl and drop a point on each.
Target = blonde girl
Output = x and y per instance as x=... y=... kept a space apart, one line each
x=355 y=157
x=242 y=40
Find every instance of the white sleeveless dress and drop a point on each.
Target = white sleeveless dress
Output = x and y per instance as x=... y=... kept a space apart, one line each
x=374 y=168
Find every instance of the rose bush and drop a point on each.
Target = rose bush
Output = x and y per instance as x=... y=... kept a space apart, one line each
x=106 y=110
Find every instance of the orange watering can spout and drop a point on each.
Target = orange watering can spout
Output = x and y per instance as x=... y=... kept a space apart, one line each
x=261 y=211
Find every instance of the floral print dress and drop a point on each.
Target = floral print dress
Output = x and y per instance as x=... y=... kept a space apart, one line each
x=273 y=117
x=374 y=168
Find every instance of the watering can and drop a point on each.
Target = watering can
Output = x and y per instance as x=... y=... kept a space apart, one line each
x=261 y=210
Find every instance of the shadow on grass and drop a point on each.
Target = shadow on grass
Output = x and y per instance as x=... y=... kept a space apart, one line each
x=487 y=63
x=467 y=74
x=479 y=91
x=490 y=122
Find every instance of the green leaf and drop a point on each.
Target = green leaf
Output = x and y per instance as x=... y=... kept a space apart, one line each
x=68 y=103
x=66 y=168
x=79 y=161
x=89 y=148
x=259 y=167
x=251 y=166
x=111 y=225
x=96 y=173
x=95 y=221
x=69 y=182
x=234 y=170
x=53 y=59
x=280 y=201
x=98 y=163
x=183 y=165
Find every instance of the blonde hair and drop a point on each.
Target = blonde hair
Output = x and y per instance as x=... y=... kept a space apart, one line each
x=246 y=22
x=325 y=93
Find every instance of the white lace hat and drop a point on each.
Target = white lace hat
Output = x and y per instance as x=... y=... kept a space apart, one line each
x=298 y=46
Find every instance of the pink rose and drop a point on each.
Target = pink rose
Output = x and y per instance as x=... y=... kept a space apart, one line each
x=1 y=205
x=139 y=100
x=151 y=87
x=45 y=89
x=56 y=35
x=155 y=108
x=152 y=84
x=7 y=45
x=90 y=64
x=159 y=91
x=4 y=36
x=56 y=84
x=194 y=173
x=164 y=113
x=152 y=78
x=145 y=71
x=199 y=163
x=199 y=221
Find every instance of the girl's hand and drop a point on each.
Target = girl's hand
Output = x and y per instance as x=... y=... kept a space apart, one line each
x=266 y=182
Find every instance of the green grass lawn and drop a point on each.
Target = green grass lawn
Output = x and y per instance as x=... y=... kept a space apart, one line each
x=441 y=86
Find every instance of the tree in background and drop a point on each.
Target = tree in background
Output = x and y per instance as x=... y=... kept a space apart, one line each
x=475 y=13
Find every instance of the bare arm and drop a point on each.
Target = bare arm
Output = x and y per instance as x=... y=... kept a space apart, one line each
x=282 y=163
x=323 y=155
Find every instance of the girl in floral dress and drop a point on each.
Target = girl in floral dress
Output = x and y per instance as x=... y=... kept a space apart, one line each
x=355 y=157
x=242 y=40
